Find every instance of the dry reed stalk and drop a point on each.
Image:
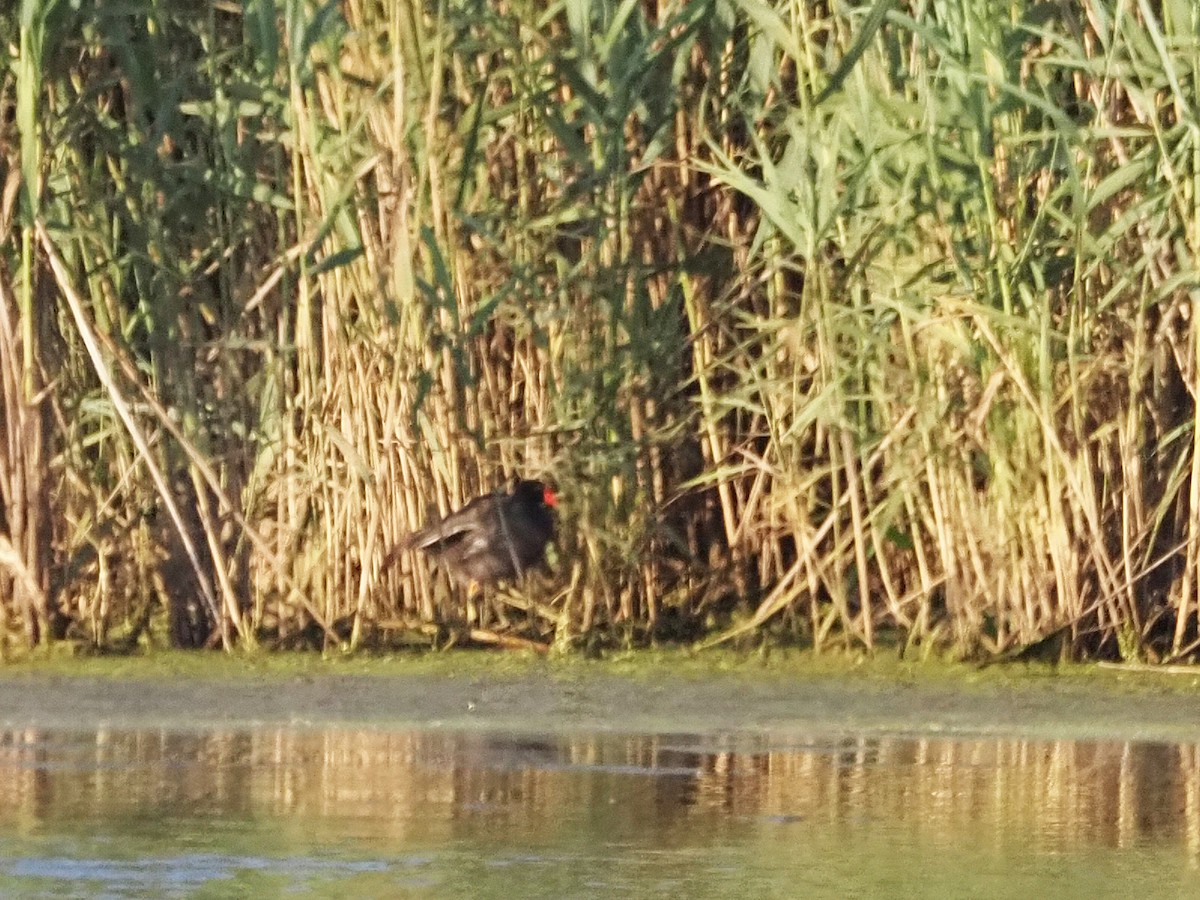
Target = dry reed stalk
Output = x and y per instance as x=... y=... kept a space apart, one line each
x=867 y=326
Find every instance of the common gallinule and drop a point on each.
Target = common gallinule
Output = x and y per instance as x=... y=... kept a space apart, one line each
x=496 y=537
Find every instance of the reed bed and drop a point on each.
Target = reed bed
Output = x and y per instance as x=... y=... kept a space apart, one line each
x=859 y=326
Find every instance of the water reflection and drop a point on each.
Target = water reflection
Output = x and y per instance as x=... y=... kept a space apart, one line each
x=364 y=798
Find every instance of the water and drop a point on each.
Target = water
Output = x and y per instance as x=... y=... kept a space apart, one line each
x=371 y=813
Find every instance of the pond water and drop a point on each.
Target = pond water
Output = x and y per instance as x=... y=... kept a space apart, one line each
x=376 y=813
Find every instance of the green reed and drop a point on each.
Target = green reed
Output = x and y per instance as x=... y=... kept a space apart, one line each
x=867 y=327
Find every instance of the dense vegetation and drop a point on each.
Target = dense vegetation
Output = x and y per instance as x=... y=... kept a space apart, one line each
x=832 y=323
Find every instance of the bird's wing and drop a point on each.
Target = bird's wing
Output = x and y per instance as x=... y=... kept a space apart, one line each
x=467 y=524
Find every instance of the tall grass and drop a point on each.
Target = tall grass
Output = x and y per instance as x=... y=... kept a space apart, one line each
x=867 y=326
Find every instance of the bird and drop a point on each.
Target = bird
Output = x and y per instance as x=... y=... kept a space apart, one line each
x=495 y=537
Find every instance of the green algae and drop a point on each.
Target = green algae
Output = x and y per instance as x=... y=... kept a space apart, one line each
x=643 y=691
x=646 y=664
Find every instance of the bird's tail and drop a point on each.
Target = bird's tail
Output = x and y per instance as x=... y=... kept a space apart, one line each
x=402 y=546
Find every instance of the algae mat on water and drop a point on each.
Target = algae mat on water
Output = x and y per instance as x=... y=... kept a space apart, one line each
x=642 y=692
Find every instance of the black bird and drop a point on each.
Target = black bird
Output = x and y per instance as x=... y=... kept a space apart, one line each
x=496 y=537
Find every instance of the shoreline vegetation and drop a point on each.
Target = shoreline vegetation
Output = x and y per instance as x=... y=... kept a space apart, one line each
x=863 y=329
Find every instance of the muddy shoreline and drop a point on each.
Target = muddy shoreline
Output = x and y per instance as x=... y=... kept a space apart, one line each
x=548 y=701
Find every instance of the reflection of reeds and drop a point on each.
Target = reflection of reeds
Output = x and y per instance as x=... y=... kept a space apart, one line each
x=1053 y=795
